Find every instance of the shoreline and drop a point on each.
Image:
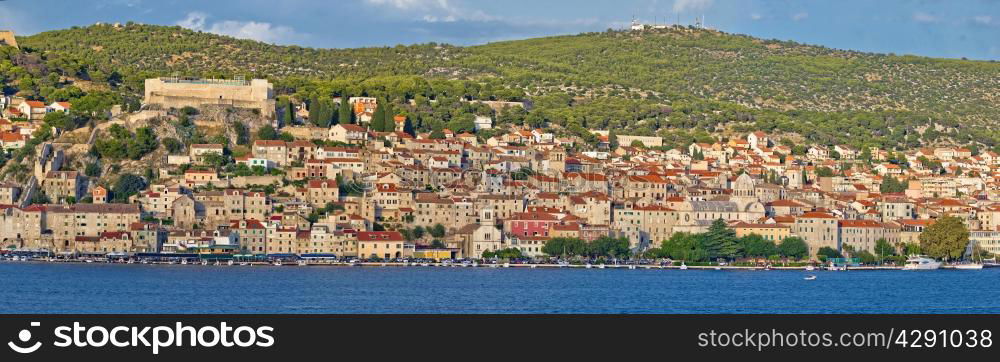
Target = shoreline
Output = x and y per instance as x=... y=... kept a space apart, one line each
x=488 y=265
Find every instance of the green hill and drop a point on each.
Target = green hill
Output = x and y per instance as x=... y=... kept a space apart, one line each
x=672 y=82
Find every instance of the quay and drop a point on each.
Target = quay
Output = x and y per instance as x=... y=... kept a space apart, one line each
x=371 y=264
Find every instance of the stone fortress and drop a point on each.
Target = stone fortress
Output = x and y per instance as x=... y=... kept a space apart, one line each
x=173 y=92
x=7 y=38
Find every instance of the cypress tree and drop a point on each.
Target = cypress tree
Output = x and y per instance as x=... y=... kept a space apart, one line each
x=346 y=113
x=289 y=116
x=389 y=118
x=378 y=118
x=408 y=127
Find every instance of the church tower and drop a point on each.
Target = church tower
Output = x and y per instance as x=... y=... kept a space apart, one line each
x=557 y=159
x=487 y=236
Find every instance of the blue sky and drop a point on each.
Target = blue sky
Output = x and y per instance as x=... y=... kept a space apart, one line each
x=940 y=28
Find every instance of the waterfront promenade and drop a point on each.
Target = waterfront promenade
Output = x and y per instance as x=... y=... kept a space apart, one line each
x=303 y=263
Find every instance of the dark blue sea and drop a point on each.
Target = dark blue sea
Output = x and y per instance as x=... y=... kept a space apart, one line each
x=104 y=288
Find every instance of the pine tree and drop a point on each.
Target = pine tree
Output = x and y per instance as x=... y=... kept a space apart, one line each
x=721 y=241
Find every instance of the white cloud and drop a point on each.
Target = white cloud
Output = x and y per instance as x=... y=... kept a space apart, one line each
x=691 y=5
x=434 y=11
x=756 y=16
x=800 y=16
x=195 y=20
x=983 y=19
x=922 y=17
x=259 y=31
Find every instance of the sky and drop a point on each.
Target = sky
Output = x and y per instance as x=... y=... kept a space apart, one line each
x=938 y=28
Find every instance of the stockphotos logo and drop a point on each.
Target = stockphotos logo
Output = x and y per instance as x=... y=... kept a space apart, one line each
x=25 y=337
x=153 y=338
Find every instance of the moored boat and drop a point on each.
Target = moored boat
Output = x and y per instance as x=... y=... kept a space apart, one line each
x=919 y=262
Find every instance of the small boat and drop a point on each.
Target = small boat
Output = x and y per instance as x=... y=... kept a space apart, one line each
x=811 y=277
x=684 y=266
x=718 y=268
x=243 y=264
x=230 y=262
x=810 y=268
x=204 y=262
x=303 y=263
x=563 y=264
x=600 y=266
x=968 y=266
x=631 y=267
x=184 y=262
x=533 y=266
x=506 y=265
x=276 y=263
x=589 y=266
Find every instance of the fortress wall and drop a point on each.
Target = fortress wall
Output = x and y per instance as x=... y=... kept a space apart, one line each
x=259 y=94
x=7 y=37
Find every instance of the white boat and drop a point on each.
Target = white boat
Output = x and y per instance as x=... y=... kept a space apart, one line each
x=230 y=262
x=303 y=263
x=811 y=277
x=533 y=266
x=184 y=262
x=589 y=266
x=921 y=263
x=631 y=267
x=974 y=266
x=600 y=266
x=684 y=266
x=276 y=263
x=718 y=268
x=810 y=268
x=204 y=262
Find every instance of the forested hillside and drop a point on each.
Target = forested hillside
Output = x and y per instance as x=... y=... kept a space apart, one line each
x=682 y=83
